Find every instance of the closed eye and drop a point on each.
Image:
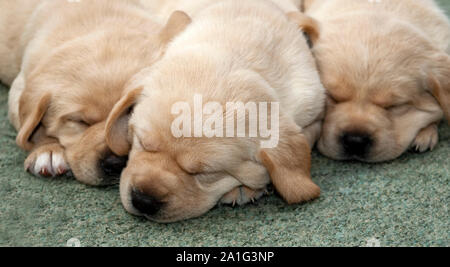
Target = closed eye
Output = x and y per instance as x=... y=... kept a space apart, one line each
x=81 y=122
x=192 y=165
x=337 y=98
x=193 y=169
x=396 y=105
x=193 y=173
x=78 y=120
x=398 y=108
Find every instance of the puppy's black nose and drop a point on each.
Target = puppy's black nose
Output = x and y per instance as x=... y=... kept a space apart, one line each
x=112 y=165
x=145 y=204
x=356 y=144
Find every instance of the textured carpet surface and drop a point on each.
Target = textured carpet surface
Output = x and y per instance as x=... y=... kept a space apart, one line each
x=400 y=203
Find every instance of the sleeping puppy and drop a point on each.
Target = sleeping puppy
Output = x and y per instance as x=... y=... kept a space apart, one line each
x=164 y=8
x=234 y=51
x=386 y=68
x=75 y=60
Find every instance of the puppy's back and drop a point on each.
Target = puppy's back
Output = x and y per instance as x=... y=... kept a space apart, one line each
x=424 y=15
x=164 y=8
x=256 y=35
x=14 y=16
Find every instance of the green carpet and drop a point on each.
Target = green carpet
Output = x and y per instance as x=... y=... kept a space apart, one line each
x=400 y=203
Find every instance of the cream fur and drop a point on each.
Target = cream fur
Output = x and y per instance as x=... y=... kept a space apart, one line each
x=80 y=55
x=233 y=51
x=386 y=67
x=163 y=8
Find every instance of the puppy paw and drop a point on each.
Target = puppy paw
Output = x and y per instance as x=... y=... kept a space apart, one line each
x=426 y=139
x=47 y=161
x=242 y=195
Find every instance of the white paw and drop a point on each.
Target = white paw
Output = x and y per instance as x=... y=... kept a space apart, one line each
x=242 y=195
x=426 y=139
x=47 y=161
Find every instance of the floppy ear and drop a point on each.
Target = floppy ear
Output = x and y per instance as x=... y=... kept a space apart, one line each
x=307 y=24
x=177 y=22
x=116 y=131
x=289 y=167
x=30 y=118
x=439 y=82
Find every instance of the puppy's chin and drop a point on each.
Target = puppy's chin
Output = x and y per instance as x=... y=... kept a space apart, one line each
x=89 y=176
x=151 y=198
x=330 y=149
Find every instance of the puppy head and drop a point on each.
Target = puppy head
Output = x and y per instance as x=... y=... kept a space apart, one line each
x=385 y=83
x=171 y=177
x=70 y=93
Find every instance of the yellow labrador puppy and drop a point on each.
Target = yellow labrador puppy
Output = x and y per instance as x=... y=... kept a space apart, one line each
x=75 y=58
x=164 y=8
x=386 y=68
x=233 y=52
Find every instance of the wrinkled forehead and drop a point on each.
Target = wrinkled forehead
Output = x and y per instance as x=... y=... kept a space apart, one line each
x=370 y=74
x=344 y=87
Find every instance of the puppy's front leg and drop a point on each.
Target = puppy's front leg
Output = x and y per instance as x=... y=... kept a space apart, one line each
x=47 y=158
x=242 y=195
x=426 y=139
